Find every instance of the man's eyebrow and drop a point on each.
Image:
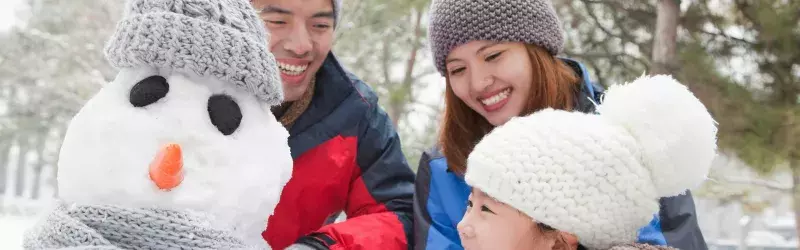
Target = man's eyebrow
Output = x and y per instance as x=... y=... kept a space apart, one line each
x=274 y=9
x=278 y=10
x=326 y=14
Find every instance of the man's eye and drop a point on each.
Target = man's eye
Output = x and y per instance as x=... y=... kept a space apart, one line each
x=322 y=26
x=276 y=22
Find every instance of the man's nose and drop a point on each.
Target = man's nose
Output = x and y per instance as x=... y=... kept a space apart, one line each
x=299 y=42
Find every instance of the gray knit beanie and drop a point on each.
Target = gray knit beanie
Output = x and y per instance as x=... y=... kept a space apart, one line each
x=337 y=11
x=456 y=22
x=212 y=38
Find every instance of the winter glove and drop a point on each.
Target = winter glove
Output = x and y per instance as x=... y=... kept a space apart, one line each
x=308 y=243
x=300 y=246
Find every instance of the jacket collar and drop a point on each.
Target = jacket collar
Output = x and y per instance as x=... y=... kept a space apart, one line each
x=589 y=93
x=332 y=88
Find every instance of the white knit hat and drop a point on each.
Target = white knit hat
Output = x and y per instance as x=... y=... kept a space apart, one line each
x=599 y=176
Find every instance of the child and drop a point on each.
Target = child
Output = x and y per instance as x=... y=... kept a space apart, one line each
x=567 y=180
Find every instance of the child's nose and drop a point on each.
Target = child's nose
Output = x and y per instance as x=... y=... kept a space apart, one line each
x=465 y=229
x=466 y=232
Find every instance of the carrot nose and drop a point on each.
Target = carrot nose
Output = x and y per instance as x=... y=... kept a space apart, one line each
x=166 y=170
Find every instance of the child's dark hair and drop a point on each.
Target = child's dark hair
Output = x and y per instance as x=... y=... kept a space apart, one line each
x=547 y=229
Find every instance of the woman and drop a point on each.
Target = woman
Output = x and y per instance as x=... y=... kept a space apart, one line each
x=498 y=58
x=546 y=181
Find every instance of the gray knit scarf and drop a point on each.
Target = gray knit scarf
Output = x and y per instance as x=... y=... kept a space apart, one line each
x=110 y=227
x=638 y=246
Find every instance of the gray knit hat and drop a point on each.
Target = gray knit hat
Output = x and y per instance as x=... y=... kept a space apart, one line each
x=212 y=38
x=456 y=22
x=337 y=11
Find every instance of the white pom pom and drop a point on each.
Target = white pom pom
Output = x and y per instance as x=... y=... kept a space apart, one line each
x=677 y=134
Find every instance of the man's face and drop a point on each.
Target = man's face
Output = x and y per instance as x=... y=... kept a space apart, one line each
x=301 y=34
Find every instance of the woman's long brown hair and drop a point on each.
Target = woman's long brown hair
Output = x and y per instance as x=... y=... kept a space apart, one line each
x=554 y=85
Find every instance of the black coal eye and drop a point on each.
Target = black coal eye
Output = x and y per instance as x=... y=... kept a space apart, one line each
x=148 y=91
x=224 y=113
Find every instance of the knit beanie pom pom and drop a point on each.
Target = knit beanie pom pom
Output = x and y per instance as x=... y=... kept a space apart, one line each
x=676 y=133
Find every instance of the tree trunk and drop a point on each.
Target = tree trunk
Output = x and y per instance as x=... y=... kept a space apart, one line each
x=665 y=38
x=22 y=144
x=746 y=229
x=6 y=141
x=41 y=161
x=386 y=63
x=400 y=98
x=794 y=164
x=5 y=149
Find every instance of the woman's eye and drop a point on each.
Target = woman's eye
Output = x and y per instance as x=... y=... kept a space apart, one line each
x=276 y=22
x=493 y=56
x=484 y=208
x=469 y=203
x=456 y=71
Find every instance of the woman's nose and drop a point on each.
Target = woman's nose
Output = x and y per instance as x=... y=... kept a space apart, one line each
x=481 y=80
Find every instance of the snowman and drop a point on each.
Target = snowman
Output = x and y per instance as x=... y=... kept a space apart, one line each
x=181 y=150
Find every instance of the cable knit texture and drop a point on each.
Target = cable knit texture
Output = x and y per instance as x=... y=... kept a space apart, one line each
x=456 y=22
x=337 y=11
x=212 y=38
x=599 y=176
x=109 y=227
x=641 y=247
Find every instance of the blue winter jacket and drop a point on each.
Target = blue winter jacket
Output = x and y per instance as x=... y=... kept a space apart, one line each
x=441 y=195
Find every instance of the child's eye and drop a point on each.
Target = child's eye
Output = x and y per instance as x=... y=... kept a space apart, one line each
x=484 y=208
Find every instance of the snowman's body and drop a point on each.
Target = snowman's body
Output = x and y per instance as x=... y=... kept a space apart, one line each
x=235 y=155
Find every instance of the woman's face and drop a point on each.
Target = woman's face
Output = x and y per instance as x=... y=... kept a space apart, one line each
x=489 y=224
x=492 y=78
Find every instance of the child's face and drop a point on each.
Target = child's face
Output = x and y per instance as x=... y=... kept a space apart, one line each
x=489 y=224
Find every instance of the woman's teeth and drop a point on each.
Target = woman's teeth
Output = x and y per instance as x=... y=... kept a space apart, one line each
x=292 y=70
x=496 y=98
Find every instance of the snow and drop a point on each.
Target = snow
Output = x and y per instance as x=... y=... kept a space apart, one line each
x=11 y=229
x=16 y=216
x=782 y=222
x=110 y=144
x=8 y=16
x=761 y=239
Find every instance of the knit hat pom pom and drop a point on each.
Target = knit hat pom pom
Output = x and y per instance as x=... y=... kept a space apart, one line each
x=676 y=133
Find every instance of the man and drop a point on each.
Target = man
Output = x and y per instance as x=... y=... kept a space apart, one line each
x=346 y=153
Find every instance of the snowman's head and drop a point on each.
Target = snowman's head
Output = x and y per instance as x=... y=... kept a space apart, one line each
x=159 y=138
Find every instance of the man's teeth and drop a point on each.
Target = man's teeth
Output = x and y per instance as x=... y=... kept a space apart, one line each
x=496 y=98
x=292 y=69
